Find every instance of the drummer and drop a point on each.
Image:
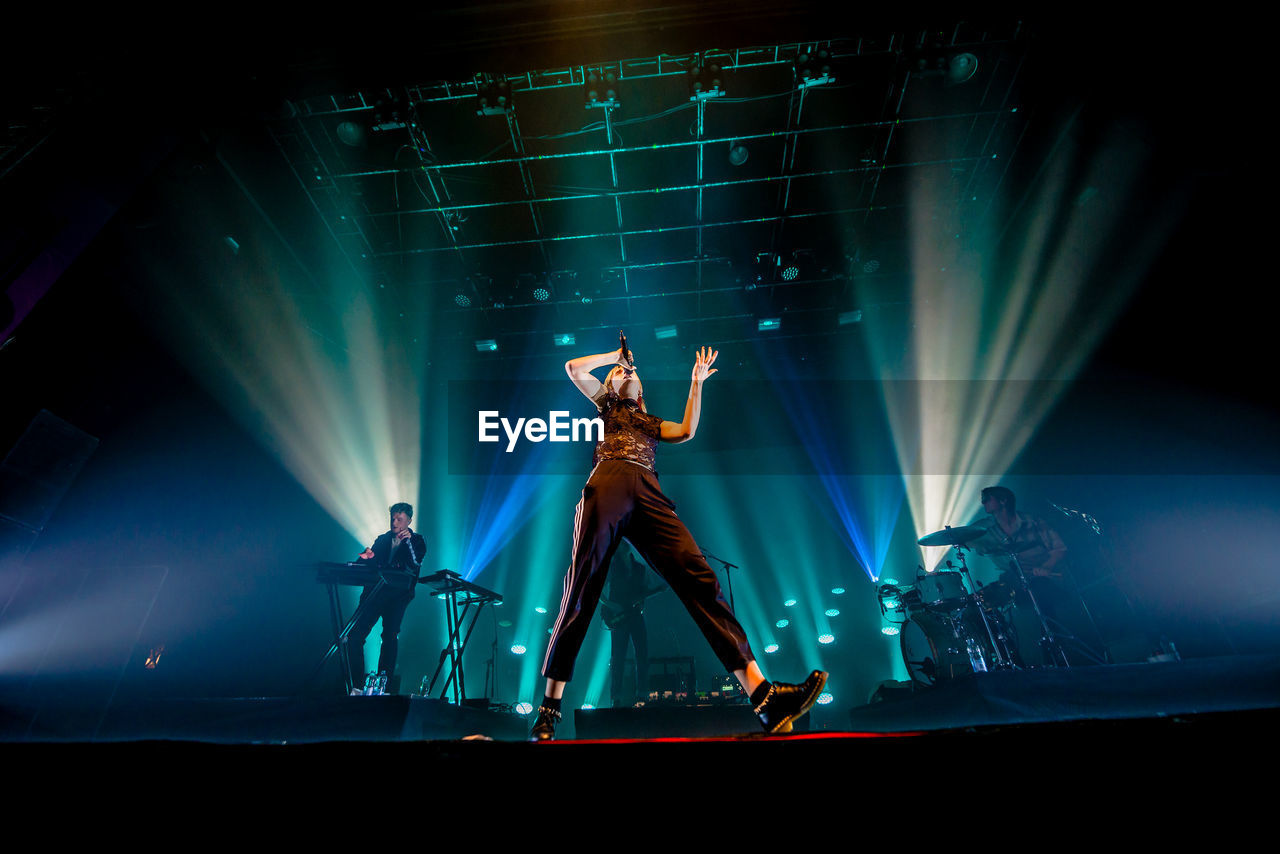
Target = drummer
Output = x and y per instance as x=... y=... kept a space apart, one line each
x=1039 y=551
x=1038 y=547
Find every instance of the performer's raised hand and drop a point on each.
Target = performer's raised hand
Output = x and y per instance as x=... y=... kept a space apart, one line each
x=702 y=367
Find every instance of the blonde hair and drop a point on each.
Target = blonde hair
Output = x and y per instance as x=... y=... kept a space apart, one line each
x=608 y=387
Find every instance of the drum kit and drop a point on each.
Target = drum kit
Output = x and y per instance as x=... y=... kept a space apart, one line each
x=950 y=627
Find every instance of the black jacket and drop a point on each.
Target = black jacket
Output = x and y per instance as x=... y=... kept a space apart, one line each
x=402 y=562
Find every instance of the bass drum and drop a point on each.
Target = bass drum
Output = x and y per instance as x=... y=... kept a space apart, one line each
x=933 y=653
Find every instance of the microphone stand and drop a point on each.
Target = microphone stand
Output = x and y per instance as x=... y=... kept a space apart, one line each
x=728 y=576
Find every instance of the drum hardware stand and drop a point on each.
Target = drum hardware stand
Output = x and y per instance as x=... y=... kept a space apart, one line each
x=1001 y=660
x=1048 y=640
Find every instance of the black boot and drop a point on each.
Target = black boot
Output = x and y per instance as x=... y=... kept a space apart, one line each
x=786 y=702
x=544 y=728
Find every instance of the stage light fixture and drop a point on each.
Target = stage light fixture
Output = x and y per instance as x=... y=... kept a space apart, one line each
x=587 y=707
x=771 y=649
x=832 y=612
x=486 y=345
x=462 y=300
x=789 y=603
x=493 y=96
x=664 y=332
x=519 y=649
x=790 y=271
x=837 y=590
x=738 y=153
x=600 y=88
x=814 y=67
x=351 y=133
x=540 y=610
x=826 y=639
x=782 y=624
x=524 y=708
x=768 y=324
x=825 y=699
x=541 y=294
x=889 y=630
x=706 y=78
x=889 y=580
x=564 y=339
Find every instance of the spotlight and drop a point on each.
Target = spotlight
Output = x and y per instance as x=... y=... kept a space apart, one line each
x=706 y=78
x=825 y=699
x=889 y=630
x=837 y=590
x=771 y=649
x=664 y=332
x=564 y=339
x=889 y=580
x=826 y=638
x=519 y=649
x=493 y=96
x=524 y=708
x=540 y=610
x=813 y=67
x=587 y=707
x=737 y=153
x=788 y=603
x=351 y=133
x=601 y=88
x=541 y=294
x=462 y=300
x=790 y=271
x=832 y=612
x=487 y=345
x=961 y=68
x=782 y=624
x=769 y=324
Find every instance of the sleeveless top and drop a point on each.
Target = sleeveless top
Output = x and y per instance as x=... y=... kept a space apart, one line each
x=629 y=433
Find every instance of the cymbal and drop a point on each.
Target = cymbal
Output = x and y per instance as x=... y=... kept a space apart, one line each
x=953 y=536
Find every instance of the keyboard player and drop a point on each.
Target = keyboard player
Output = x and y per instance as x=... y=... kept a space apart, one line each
x=398 y=553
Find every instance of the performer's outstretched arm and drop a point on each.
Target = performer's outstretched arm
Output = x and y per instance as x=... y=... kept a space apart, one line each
x=579 y=370
x=683 y=432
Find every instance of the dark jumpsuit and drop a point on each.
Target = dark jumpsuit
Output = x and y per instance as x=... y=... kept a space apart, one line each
x=622 y=499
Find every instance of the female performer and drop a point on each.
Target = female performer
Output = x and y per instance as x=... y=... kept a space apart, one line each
x=622 y=499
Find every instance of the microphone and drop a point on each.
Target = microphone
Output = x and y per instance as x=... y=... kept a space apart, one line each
x=626 y=353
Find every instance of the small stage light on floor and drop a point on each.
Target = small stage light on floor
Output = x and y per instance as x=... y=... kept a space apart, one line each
x=524 y=708
x=771 y=649
x=519 y=649
x=837 y=590
x=782 y=624
x=832 y=612
x=769 y=324
x=789 y=603
x=825 y=699
x=826 y=638
x=587 y=707
x=889 y=630
x=540 y=609
x=564 y=339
